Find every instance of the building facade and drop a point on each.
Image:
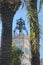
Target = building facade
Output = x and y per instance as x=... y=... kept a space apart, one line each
x=23 y=43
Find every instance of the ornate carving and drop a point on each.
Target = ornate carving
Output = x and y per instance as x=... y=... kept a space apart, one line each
x=20 y=26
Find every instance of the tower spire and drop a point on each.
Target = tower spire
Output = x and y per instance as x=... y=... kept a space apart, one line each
x=20 y=26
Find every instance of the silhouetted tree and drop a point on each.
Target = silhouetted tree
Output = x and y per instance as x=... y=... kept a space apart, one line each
x=8 y=9
x=34 y=31
x=34 y=34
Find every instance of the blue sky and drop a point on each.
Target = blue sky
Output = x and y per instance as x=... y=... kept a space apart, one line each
x=40 y=15
x=22 y=13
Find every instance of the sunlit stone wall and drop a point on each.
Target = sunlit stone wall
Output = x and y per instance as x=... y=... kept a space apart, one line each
x=23 y=43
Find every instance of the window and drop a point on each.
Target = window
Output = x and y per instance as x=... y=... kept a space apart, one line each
x=26 y=50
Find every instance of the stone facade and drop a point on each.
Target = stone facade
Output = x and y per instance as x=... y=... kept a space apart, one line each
x=23 y=43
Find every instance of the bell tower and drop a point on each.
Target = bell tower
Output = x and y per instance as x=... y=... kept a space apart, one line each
x=20 y=26
x=22 y=41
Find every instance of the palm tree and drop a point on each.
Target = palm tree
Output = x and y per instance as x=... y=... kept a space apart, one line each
x=8 y=9
x=34 y=33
